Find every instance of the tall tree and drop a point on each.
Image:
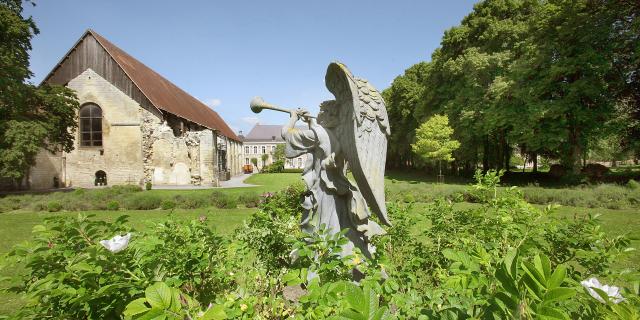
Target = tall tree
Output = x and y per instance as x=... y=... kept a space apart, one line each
x=565 y=76
x=434 y=142
x=468 y=80
x=402 y=100
x=31 y=117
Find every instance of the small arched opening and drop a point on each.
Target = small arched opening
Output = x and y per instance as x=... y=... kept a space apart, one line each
x=101 y=178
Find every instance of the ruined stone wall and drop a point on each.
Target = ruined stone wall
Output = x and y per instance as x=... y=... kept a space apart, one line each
x=120 y=156
x=235 y=157
x=176 y=155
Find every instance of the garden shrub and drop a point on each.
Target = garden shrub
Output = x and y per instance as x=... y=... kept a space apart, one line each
x=223 y=201
x=143 y=201
x=167 y=204
x=70 y=275
x=633 y=184
x=192 y=200
x=54 y=206
x=408 y=198
x=249 y=199
x=113 y=205
x=147 y=186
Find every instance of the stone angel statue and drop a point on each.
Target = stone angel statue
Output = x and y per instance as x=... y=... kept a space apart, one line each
x=349 y=132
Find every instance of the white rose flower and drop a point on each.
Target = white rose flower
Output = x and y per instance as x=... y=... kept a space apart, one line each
x=612 y=291
x=117 y=243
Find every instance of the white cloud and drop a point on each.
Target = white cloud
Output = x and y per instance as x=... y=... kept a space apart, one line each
x=251 y=120
x=212 y=103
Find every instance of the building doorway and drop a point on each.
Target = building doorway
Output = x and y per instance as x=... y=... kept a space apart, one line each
x=101 y=178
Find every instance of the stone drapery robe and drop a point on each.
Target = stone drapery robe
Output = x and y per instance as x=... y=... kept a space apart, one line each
x=332 y=199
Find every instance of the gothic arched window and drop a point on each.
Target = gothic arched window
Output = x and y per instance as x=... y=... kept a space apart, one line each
x=90 y=125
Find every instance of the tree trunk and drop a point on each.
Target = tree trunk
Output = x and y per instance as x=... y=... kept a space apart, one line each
x=534 y=157
x=507 y=155
x=485 y=154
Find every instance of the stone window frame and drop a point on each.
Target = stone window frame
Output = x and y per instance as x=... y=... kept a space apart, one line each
x=92 y=142
x=247 y=149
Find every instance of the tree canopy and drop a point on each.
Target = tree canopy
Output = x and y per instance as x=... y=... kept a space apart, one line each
x=546 y=77
x=31 y=117
x=433 y=140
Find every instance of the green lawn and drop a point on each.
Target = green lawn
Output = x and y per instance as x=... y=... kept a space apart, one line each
x=16 y=225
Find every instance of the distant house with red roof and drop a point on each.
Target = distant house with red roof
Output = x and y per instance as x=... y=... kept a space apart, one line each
x=134 y=126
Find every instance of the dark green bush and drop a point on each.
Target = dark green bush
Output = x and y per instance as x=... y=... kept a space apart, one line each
x=249 y=199
x=167 y=204
x=113 y=205
x=223 y=201
x=143 y=201
x=148 y=186
x=192 y=200
x=54 y=206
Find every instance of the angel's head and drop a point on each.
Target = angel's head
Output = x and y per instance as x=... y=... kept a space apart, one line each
x=328 y=115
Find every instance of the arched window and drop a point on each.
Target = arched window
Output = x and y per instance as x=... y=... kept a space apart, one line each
x=90 y=125
x=255 y=149
x=246 y=149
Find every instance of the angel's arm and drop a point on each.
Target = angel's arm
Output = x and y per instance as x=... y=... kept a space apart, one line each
x=298 y=141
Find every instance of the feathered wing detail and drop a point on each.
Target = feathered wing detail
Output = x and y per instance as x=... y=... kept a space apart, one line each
x=363 y=132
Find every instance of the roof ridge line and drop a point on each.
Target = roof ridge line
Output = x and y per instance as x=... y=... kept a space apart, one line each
x=98 y=38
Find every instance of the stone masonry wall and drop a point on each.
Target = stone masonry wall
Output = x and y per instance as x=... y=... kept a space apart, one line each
x=121 y=153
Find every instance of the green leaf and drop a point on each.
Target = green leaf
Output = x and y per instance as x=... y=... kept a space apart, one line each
x=511 y=262
x=159 y=295
x=543 y=265
x=559 y=294
x=153 y=314
x=135 y=307
x=552 y=313
x=532 y=271
x=381 y=314
x=371 y=301
x=557 y=277
x=215 y=313
x=506 y=281
x=356 y=299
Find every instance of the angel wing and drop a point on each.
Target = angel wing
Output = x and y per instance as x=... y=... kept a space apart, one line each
x=363 y=129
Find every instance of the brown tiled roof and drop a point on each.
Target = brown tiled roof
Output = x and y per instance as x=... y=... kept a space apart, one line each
x=163 y=94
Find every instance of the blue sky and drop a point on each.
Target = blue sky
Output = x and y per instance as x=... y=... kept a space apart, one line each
x=224 y=53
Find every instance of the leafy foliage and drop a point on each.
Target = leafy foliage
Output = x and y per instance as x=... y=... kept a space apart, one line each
x=433 y=140
x=31 y=118
x=503 y=259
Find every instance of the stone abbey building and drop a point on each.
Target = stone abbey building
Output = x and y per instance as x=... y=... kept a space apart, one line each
x=134 y=126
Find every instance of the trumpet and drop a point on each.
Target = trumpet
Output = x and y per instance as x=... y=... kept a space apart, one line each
x=257 y=105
